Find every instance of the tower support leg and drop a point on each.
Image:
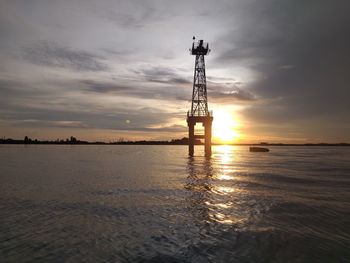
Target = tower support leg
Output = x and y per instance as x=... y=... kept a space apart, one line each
x=207 y=135
x=191 y=138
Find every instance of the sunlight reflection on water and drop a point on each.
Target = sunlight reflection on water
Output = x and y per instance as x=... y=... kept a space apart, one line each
x=204 y=180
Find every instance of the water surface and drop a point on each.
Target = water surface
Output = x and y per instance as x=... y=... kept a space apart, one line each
x=125 y=203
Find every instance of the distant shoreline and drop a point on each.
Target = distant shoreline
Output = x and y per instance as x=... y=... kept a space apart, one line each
x=183 y=141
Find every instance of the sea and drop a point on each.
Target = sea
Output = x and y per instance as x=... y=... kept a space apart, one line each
x=129 y=203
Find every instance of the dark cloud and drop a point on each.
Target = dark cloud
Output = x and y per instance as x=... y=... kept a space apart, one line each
x=142 y=90
x=54 y=55
x=143 y=13
x=300 y=52
x=158 y=83
x=104 y=87
x=163 y=75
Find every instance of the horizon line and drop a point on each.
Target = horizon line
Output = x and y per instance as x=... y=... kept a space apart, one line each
x=182 y=141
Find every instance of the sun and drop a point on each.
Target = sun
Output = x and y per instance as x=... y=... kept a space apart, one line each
x=225 y=126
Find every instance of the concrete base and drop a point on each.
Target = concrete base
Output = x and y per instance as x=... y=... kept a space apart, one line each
x=207 y=123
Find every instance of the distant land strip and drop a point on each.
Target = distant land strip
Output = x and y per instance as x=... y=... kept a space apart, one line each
x=183 y=141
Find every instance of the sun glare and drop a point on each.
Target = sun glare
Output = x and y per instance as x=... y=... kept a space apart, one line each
x=225 y=126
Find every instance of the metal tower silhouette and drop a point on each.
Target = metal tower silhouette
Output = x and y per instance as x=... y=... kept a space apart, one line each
x=199 y=108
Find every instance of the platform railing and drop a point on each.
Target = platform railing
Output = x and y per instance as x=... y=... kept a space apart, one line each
x=210 y=114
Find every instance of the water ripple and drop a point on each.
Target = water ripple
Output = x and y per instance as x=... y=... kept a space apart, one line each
x=94 y=204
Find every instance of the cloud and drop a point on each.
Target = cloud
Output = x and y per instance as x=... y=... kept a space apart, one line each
x=54 y=55
x=143 y=13
x=126 y=119
x=229 y=92
x=23 y=105
x=104 y=87
x=232 y=96
x=286 y=67
x=165 y=128
x=162 y=75
x=45 y=123
x=140 y=89
x=300 y=66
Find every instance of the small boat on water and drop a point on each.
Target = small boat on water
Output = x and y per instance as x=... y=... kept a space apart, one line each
x=258 y=149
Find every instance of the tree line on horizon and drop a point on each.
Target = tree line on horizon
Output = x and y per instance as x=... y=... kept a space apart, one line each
x=74 y=140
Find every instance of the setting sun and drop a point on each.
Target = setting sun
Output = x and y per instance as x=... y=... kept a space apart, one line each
x=225 y=126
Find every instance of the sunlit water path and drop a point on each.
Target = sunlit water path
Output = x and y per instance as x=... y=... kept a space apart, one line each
x=155 y=204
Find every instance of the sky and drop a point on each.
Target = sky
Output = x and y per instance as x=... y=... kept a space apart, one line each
x=278 y=70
